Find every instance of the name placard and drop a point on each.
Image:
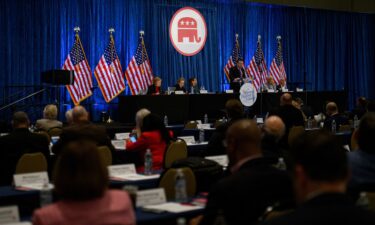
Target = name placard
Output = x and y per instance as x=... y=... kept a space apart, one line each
x=260 y=120
x=270 y=91
x=179 y=92
x=220 y=159
x=285 y=90
x=188 y=139
x=151 y=197
x=230 y=91
x=122 y=136
x=119 y=170
x=299 y=89
x=9 y=214
x=203 y=91
x=204 y=126
x=31 y=179
x=118 y=144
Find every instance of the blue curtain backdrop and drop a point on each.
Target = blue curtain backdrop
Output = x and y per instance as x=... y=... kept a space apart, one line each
x=336 y=50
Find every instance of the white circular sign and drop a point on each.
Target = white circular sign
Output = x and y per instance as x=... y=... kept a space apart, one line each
x=188 y=31
x=248 y=94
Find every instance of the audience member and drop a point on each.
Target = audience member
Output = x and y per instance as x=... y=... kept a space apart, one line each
x=254 y=184
x=235 y=111
x=155 y=88
x=82 y=128
x=361 y=107
x=180 y=86
x=332 y=113
x=273 y=131
x=362 y=161
x=17 y=143
x=81 y=182
x=320 y=170
x=139 y=120
x=193 y=86
x=69 y=117
x=307 y=110
x=154 y=136
x=49 y=119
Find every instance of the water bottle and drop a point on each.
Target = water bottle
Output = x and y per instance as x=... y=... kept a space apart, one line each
x=333 y=126
x=356 y=122
x=309 y=123
x=181 y=221
x=45 y=195
x=281 y=164
x=180 y=187
x=191 y=90
x=148 y=162
x=363 y=200
x=165 y=120
x=205 y=118
x=201 y=135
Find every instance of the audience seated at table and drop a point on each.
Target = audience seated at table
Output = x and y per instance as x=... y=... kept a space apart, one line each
x=180 y=86
x=235 y=111
x=360 y=108
x=81 y=180
x=155 y=88
x=82 y=127
x=320 y=172
x=139 y=120
x=362 y=161
x=154 y=136
x=17 y=143
x=242 y=197
x=49 y=119
x=307 y=110
x=193 y=86
x=332 y=113
x=273 y=130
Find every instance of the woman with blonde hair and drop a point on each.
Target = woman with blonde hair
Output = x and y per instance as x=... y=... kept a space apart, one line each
x=49 y=120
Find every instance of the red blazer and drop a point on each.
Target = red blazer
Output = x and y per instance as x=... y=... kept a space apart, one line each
x=152 y=140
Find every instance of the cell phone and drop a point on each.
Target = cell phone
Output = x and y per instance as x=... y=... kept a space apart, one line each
x=133 y=139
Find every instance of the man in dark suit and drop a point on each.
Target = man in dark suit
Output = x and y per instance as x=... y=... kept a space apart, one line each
x=333 y=114
x=321 y=172
x=17 y=143
x=82 y=128
x=193 y=83
x=242 y=197
x=236 y=75
x=273 y=130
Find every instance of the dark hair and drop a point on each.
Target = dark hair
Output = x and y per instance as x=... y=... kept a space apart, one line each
x=240 y=59
x=234 y=109
x=321 y=155
x=79 y=173
x=20 y=118
x=366 y=133
x=191 y=79
x=153 y=122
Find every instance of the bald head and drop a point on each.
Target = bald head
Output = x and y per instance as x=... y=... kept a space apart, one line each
x=331 y=108
x=80 y=115
x=274 y=126
x=286 y=99
x=243 y=140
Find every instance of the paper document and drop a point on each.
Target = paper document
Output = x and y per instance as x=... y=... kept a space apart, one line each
x=173 y=207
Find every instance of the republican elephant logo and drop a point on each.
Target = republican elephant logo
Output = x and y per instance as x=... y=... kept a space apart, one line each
x=187 y=28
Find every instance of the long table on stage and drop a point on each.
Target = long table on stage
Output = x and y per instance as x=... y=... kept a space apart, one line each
x=181 y=108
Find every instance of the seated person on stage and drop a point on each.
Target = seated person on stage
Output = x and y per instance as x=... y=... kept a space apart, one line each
x=20 y=141
x=320 y=173
x=236 y=75
x=333 y=114
x=82 y=128
x=180 y=86
x=155 y=88
x=270 y=84
x=273 y=130
x=235 y=111
x=193 y=86
x=154 y=136
x=49 y=119
x=362 y=161
x=81 y=183
x=254 y=184
x=282 y=85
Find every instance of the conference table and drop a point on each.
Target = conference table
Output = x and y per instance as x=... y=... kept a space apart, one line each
x=182 y=108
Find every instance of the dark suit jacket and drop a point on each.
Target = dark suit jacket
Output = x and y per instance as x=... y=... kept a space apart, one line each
x=83 y=131
x=327 y=209
x=234 y=73
x=178 y=88
x=244 y=196
x=152 y=90
x=339 y=119
x=14 y=145
x=195 y=89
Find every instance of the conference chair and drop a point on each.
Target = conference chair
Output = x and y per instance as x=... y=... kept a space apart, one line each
x=175 y=151
x=54 y=131
x=168 y=180
x=295 y=132
x=44 y=134
x=31 y=163
x=106 y=155
x=191 y=125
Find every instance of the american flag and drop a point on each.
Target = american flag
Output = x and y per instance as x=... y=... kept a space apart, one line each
x=236 y=54
x=277 y=69
x=108 y=73
x=257 y=67
x=76 y=61
x=139 y=72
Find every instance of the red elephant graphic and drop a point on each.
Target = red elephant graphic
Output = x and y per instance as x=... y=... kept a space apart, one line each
x=187 y=28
